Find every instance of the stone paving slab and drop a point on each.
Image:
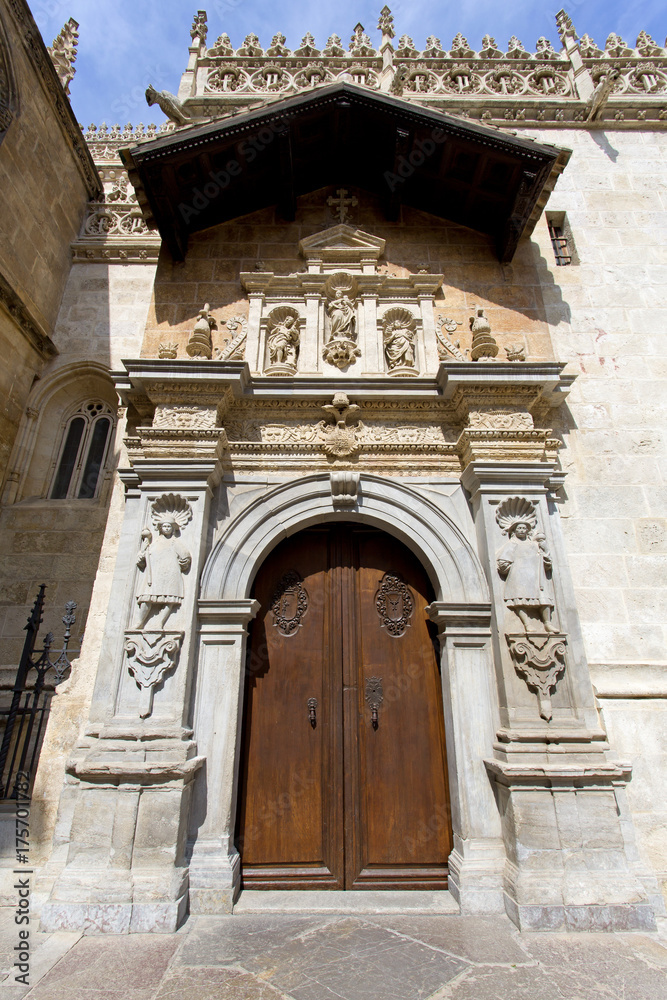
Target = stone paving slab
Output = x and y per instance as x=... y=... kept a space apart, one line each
x=332 y=957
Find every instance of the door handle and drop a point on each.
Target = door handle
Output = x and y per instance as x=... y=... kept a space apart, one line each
x=374 y=697
x=312 y=711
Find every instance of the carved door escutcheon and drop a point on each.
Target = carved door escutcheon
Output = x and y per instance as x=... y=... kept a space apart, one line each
x=374 y=697
x=312 y=711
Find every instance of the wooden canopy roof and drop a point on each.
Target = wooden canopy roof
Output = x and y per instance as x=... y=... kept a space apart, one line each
x=344 y=135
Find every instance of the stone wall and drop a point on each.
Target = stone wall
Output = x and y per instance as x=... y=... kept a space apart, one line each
x=607 y=317
x=511 y=294
x=42 y=194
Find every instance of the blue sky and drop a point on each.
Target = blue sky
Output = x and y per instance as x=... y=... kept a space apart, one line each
x=126 y=44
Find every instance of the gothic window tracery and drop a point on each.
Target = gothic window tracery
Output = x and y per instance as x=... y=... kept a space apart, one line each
x=83 y=452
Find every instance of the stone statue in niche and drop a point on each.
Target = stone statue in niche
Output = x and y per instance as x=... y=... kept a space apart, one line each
x=524 y=563
x=341 y=348
x=399 y=342
x=282 y=341
x=163 y=560
x=341 y=317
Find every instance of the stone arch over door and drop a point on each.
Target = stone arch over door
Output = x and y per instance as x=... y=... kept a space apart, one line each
x=461 y=609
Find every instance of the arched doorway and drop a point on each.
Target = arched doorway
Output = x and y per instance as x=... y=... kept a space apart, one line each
x=343 y=777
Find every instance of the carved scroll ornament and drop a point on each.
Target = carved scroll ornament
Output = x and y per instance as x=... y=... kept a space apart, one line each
x=540 y=660
x=149 y=656
x=289 y=603
x=394 y=604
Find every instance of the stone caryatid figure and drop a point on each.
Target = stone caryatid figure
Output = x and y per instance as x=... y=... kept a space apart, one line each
x=169 y=104
x=283 y=340
x=524 y=563
x=163 y=560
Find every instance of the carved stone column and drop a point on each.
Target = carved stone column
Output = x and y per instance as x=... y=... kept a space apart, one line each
x=568 y=850
x=131 y=775
x=215 y=869
x=471 y=719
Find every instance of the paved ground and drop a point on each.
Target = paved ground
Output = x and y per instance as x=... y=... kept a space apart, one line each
x=339 y=957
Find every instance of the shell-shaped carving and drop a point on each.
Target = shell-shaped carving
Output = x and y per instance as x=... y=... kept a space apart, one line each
x=171 y=507
x=513 y=511
x=341 y=283
x=396 y=317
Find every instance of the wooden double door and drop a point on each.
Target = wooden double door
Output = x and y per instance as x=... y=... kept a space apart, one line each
x=343 y=779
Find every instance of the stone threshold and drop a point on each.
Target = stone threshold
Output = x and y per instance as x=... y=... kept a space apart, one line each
x=338 y=901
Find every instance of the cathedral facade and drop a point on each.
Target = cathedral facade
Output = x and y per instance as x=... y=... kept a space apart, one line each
x=337 y=405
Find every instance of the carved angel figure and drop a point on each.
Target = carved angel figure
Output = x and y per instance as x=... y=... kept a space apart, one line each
x=283 y=342
x=399 y=346
x=342 y=318
x=524 y=562
x=163 y=560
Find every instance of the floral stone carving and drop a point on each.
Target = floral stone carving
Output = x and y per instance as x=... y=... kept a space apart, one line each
x=341 y=348
x=394 y=604
x=149 y=656
x=399 y=332
x=341 y=440
x=540 y=660
x=282 y=341
x=289 y=604
x=163 y=560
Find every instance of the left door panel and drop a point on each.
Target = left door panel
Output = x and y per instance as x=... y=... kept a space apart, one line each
x=289 y=829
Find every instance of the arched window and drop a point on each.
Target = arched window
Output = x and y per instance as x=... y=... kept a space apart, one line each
x=83 y=452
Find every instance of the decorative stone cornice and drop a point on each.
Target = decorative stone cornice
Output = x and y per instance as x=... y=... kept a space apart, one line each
x=116 y=251
x=565 y=775
x=29 y=327
x=134 y=772
x=48 y=77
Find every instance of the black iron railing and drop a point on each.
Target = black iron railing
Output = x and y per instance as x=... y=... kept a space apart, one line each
x=25 y=719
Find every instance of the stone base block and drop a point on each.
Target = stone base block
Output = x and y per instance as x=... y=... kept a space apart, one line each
x=215 y=883
x=114 y=918
x=476 y=878
x=624 y=917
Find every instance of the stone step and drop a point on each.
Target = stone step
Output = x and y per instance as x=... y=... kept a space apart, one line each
x=337 y=901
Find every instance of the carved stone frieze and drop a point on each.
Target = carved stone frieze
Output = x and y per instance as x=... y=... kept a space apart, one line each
x=501 y=418
x=150 y=655
x=289 y=603
x=394 y=604
x=540 y=660
x=195 y=416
